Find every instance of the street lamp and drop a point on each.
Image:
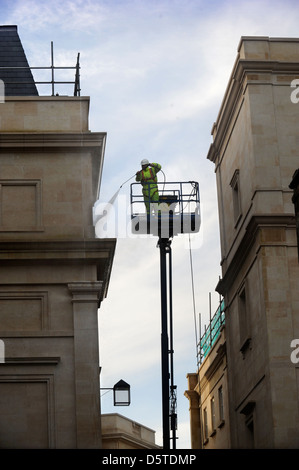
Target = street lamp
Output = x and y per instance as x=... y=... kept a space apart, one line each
x=121 y=393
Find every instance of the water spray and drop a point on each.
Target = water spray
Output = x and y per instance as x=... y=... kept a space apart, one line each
x=105 y=210
x=111 y=201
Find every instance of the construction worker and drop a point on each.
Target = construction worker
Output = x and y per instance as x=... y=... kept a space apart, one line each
x=148 y=178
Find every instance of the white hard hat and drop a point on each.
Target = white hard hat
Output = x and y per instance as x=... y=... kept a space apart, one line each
x=144 y=162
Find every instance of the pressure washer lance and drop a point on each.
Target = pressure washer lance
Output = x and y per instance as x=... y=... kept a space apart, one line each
x=127 y=180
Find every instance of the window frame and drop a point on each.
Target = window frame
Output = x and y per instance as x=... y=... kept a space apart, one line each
x=236 y=196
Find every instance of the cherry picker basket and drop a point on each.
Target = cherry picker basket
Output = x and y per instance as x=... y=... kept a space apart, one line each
x=177 y=210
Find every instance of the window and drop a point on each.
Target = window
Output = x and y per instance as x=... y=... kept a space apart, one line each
x=249 y=411
x=243 y=319
x=205 y=424
x=235 y=185
x=213 y=415
x=220 y=404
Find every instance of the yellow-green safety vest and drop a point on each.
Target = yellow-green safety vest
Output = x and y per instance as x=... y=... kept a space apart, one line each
x=147 y=177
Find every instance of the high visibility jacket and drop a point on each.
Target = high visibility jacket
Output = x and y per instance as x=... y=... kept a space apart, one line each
x=148 y=179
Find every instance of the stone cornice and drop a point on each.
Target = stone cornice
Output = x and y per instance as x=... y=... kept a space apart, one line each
x=41 y=98
x=52 y=139
x=255 y=224
x=57 y=250
x=193 y=398
x=30 y=361
x=86 y=292
x=94 y=251
x=235 y=88
x=257 y=66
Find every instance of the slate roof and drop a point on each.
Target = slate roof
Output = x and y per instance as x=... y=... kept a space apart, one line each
x=18 y=82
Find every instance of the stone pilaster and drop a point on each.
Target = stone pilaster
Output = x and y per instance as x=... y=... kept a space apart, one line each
x=85 y=299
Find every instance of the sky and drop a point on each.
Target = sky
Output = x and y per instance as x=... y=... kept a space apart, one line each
x=156 y=72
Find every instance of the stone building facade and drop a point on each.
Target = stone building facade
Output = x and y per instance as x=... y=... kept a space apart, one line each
x=255 y=153
x=208 y=400
x=54 y=273
x=121 y=433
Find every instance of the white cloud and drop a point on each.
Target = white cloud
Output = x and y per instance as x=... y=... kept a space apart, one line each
x=76 y=16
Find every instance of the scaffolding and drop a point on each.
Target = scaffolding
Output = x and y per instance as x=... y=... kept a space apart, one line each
x=211 y=332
